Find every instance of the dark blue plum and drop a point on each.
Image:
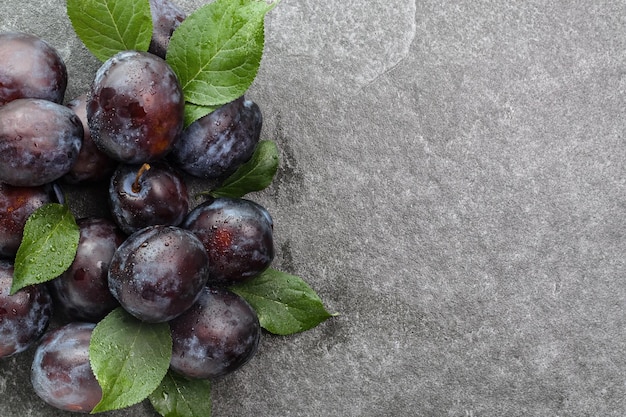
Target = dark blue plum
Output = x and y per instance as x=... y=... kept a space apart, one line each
x=16 y=205
x=136 y=107
x=215 y=337
x=215 y=145
x=237 y=235
x=82 y=293
x=24 y=316
x=147 y=195
x=61 y=374
x=158 y=272
x=30 y=68
x=91 y=165
x=39 y=141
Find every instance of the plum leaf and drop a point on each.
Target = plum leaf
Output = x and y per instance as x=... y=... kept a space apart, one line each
x=216 y=51
x=48 y=246
x=194 y=112
x=182 y=397
x=129 y=358
x=284 y=303
x=107 y=27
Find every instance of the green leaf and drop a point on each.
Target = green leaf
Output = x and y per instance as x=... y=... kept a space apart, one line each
x=216 y=51
x=129 y=358
x=194 y=112
x=107 y=27
x=181 y=397
x=254 y=175
x=48 y=246
x=284 y=303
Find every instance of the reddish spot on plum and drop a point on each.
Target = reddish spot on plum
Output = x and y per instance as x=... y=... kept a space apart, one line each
x=136 y=107
x=237 y=235
x=16 y=205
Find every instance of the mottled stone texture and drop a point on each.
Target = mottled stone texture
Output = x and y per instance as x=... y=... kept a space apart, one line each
x=452 y=182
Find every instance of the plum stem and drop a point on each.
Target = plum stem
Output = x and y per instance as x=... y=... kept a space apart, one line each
x=136 y=187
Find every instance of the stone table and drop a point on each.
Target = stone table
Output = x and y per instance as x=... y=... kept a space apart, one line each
x=452 y=183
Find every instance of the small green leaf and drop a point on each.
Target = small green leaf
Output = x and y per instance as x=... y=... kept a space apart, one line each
x=216 y=51
x=107 y=27
x=254 y=175
x=194 y=112
x=181 y=397
x=284 y=303
x=129 y=358
x=48 y=246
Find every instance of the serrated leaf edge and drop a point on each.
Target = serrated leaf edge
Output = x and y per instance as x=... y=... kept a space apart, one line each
x=313 y=296
x=97 y=408
x=18 y=266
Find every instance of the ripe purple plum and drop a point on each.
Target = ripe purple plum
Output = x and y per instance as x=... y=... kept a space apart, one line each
x=91 y=165
x=82 y=293
x=24 y=316
x=136 y=107
x=237 y=235
x=16 y=205
x=39 y=141
x=61 y=374
x=215 y=145
x=30 y=68
x=215 y=337
x=158 y=272
x=147 y=195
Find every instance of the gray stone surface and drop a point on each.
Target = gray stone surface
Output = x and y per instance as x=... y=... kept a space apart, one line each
x=453 y=184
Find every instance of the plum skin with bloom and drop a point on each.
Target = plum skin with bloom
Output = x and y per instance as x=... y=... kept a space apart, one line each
x=16 y=205
x=158 y=272
x=61 y=374
x=91 y=165
x=82 y=291
x=147 y=195
x=24 y=316
x=30 y=68
x=166 y=17
x=39 y=141
x=215 y=145
x=135 y=108
x=218 y=335
x=237 y=234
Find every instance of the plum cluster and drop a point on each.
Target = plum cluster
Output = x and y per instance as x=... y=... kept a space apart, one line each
x=155 y=256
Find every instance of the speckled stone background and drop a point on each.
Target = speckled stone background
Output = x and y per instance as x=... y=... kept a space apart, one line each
x=452 y=183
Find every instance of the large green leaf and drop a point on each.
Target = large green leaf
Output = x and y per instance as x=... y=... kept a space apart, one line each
x=107 y=27
x=129 y=358
x=48 y=246
x=284 y=303
x=216 y=51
